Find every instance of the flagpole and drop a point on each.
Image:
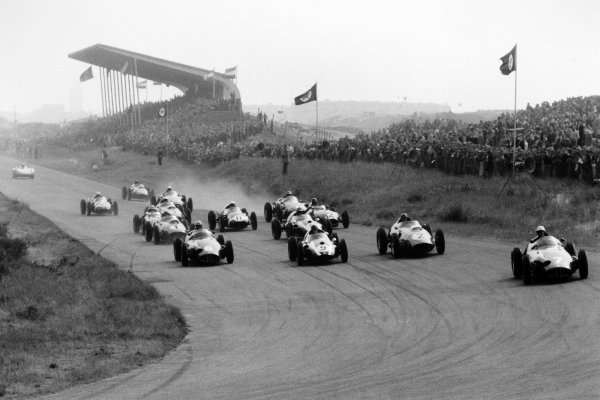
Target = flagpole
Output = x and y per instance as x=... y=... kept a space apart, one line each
x=317 y=108
x=167 y=129
x=515 y=126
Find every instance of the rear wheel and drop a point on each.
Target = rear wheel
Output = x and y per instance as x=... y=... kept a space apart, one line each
x=343 y=251
x=583 y=264
x=300 y=254
x=187 y=213
x=276 y=228
x=268 y=212
x=289 y=230
x=253 y=221
x=222 y=223
x=128 y=194
x=190 y=204
x=83 y=206
x=88 y=208
x=229 y=251
x=221 y=240
x=516 y=262
x=136 y=223
x=382 y=241
x=156 y=234
x=345 y=219
x=212 y=220
x=396 y=249
x=149 y=231
x=184 y=256
x=115 y=208
x=177 y=249
x=123 y=193
x=570 y=248
x=292 y=248
x=440 y=241
x=527 y=275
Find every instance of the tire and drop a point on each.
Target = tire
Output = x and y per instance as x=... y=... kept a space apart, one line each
x=516 y=262
x=327 y=226
x=156 y=235
x=570 y=248
x=177 y=249
x=527 y=276
x=293 y=248
x=123 y=193
x=345 y=219
x=289 y=230
x=148 y=231
x=153 y=200
x=212 y=220
x=253 y=221
x=222 y=223
x=268 y=212
x=143 y=227
x=184 y=256
x=229 y=251
x=276 y=228
x=136 y=223
x=190 y=204
x=115 y=208
x=582 y=262
x=440 y=241
x=300 y=255
x=382 y=240
x=88 y=208
x=83 y=206
x=343 y=251
x=396 y=247
x=221 y=240
x=187 y=214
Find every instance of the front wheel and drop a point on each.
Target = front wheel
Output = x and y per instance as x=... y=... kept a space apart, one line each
x=527 y=275
x=583 y=264
x=516 y=262
x=396 y=247
x=382 y=241
x=440 y=241
x=156 y=235
x=343 y=250
x=229 y=251
x=177 y=249
x=148 y=229
x=292 y=248
x=345 y=219
x=268 y=212
x=253 y=221
x=276 y=228
x=212 y=220
x=123 y=193
x=136 y=223
x=300 y=255
x=184 y=256
x=83 y=206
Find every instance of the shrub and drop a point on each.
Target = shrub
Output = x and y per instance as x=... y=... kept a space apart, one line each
x=414 y=198
x=454 y=213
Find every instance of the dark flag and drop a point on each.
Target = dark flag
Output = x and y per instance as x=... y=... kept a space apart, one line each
x=86 y=75
x=509 y=62
x=307 y=97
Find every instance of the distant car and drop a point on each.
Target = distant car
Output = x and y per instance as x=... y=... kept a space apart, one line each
x=179 y=200
x=547 y=257
x=100 y=205
x=322 y=212
x=410 y=237
x=151 y=214
x=137 y=191
x=167 y=228
x=282 y=208
x=297 y=224
x=317 y=247
x=201 y=247
x=23 y=171
x=171 y=208
x=233 y=218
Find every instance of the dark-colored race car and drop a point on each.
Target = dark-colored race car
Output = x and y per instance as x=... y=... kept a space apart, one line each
x=548 y=257
x=316 y=247
x=201 y=247
x=233 y=218
x=297 y=224
x=323 y=212
x=98 y=204
x=410 y=237
x=167 y=228
x=283 y=207
x=137 y=191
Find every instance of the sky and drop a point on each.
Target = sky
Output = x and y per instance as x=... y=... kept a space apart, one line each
x=445 y=52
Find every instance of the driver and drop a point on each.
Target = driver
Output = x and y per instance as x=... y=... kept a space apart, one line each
x=287 y=194
x=404 y=217
x=97 y=195
x=196 y=226
x=168 y=191
x=229 y=207
x=136 y=183
x=540 y=232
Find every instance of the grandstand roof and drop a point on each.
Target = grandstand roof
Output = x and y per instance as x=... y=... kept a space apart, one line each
x=183 y=77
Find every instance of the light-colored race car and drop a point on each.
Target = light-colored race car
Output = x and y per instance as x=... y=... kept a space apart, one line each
x=232 y=217
x=201 y=247
x=410 y=237
x=137 y=191
x=318 y=246
x=100 y=205
x=167 y=228
x=547 y=257
x=323 y=212
x=171 y=195
x=283 y=207
x=151 y=214
x=171 y=208
x=297 y=224
x=23 y=171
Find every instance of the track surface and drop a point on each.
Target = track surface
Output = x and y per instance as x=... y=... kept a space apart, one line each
x=455 y=326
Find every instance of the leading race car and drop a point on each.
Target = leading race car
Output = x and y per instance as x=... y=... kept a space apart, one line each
x=547 y=257
x=201 y=247
x=297 y=224
x=137 y=191
x=317 y=246
x=98 y=204
x=23 y=171
x=171 y=195
x=232 y=217
x=410 y=237
x=167 y=228
x=283 y=207
x=323 y=212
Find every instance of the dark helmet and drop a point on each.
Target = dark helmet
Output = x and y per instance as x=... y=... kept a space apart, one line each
x=196 y=225
x=136 y=182
x=403 y=217
x=313 y=201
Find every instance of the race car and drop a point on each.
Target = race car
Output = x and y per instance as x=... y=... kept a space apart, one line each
x=23 y=171
x=317 y=246
x=171 y=195
x=137 y=191
x=98 y=204
x=297 y=224
x=167 y=228
x=410 y=237
x=283 y=207
x=171 y=208
x=323 y=212
x=201 y=247
x=232 y=217
x=151 y=213
x=548 y=257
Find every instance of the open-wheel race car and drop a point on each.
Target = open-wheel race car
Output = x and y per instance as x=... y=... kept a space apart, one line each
x=298 y=224
x=98 y=204
x=410 y=237
x=232 y=217
x=172 y=196
x=173 y=209
x=151 y=214
x=323 y=212
x=201 y=247
x=137 y=191
x=548 y=257
x=167 y=228
x=283 y=207
x=23 y=171
x=317 y=246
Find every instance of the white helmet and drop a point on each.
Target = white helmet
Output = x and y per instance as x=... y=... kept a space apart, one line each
x=540 y=228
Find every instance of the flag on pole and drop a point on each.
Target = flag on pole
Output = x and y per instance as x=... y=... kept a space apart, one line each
x=142 y=84
x=86 y=75
x=231 y=73
x=162 y=112
x=509 y=62
x=124 y=67
x=310 y=95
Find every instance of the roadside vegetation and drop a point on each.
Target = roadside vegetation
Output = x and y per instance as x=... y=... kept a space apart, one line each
x=68 y=316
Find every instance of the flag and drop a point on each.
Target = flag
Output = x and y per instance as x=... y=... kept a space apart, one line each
x=124 y=67
x=86 y=75
x=142 y=84
x=162 y=111
x=231 y=73
x=310 y=95
x=509 y=62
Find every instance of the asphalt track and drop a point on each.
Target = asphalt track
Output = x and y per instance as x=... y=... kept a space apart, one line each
x=456 y=326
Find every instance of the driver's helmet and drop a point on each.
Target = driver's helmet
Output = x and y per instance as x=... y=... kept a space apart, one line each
x=151 y=208
x=231 y=204
x=288 y=193
x=97 y=194
x=313 y=201
x=196 y=225
x=403 y=217
x=165 y=214
x=169 y=188
x=136 y=182
x=540 y=230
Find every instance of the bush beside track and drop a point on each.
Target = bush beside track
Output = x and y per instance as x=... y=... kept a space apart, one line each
x=68 y=316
